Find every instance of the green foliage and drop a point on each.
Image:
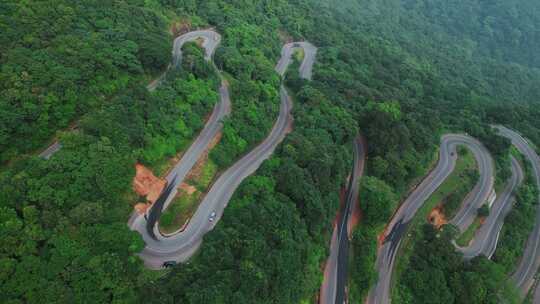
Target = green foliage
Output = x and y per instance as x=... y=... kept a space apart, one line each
x=483 y=211
x=177 y=110
x=65 y=239
x=61 y=59
x=378 y=201
x=179 y=211
x=391 y=141
x=258 y=277
x=437 y=273
x=522 y=117
x=450 y=194
x=499 y=147
x=389 y=109
x=293 y=198
x=362 y=267
x=401 y=72
x=500 y=29
x=518 y=224
x=467 y=179
x=64 y=219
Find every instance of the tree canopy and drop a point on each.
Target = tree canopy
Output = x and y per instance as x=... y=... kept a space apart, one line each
x=400 y=71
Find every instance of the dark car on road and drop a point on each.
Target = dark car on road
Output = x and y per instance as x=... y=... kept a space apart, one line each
x=169 y=264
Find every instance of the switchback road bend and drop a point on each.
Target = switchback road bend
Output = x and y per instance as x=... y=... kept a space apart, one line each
x=399 y=223
x=182 y=245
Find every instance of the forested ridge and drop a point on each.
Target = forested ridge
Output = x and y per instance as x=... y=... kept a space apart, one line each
x=394 y=70
x=62 y=58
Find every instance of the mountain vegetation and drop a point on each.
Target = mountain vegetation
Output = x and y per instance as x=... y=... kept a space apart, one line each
x=401 y=72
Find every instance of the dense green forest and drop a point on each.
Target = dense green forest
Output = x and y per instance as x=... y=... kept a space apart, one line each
x=518 y=223
x=401 y=72
x=439 y=274
x=61 y=59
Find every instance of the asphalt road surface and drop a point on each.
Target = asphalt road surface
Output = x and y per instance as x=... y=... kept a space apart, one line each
x=398 y=225
x=335 y=272
x=487 y=236
x=181 y=246
x=211 y=40
x=214 y=125
x=530 y=261
x=55 y=147
x=310 y=51
x=536 y=296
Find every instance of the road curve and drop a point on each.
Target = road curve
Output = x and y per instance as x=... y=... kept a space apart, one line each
x=214 y=125
x=380 y=294
x=210 y=39
x=306 y=68
x=530 y=261
x=486 y=238
x=181 y=246
x=335 y=272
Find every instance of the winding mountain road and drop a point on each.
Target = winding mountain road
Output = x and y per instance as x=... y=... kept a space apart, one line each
x=181 y=246
x=487 y=236
x=335 y=272
x=398 y=225
x=530 y=261
x=211 y=40
x=212 y=127
x=306 y=67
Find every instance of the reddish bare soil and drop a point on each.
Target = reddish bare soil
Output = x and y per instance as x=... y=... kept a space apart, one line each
x=380 y=239
x=187 y=188
x=145 y=183
x=141 y=208
x=437 y=218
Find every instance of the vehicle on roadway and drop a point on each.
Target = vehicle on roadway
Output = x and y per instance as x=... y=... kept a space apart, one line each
x=212 y=216
x=169 y=264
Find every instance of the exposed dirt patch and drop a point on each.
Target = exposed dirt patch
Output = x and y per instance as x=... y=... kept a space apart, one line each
x=437 y=218
x=141 y=207
x=146 y=184
x=380 y=239
x=187 y=188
